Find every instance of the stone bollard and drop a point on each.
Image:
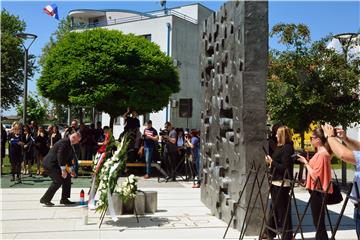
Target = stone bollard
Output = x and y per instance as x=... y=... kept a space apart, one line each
x=140 y=203
x=85 y=215
x=150 y=201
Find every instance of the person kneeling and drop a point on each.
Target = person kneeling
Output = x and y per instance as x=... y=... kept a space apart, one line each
x=55 y=163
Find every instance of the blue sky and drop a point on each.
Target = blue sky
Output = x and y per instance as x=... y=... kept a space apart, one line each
x=323 y=17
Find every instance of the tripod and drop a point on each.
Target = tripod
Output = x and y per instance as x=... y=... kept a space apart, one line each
x=173 y=167
x=185 y=167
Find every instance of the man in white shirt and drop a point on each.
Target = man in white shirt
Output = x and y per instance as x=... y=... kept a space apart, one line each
x=350 y=154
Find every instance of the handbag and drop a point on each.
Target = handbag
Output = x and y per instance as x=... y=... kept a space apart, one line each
x=335 y=197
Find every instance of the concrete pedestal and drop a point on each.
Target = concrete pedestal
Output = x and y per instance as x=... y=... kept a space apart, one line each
x=150 y=201
x=139 y=203
x=144 y=202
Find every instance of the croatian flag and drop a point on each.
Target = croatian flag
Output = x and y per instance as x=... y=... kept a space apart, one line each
x=52 y=11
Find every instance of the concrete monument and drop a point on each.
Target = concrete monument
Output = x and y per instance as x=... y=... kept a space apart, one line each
x=234 y=61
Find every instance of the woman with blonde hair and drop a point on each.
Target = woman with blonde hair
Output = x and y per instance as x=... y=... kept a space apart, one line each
x=319 y=167
x=15 y=149
x=282 y=167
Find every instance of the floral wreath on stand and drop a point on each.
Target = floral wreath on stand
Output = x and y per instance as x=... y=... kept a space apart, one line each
x=108 y=174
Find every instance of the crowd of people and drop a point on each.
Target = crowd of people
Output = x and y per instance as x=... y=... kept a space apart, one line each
x=29 y=144
x=326 y=140
x=172 y=145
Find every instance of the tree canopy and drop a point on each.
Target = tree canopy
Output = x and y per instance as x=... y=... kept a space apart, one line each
x=36 y=109
x=108 y=70
x=12 y=60
x=309 y=82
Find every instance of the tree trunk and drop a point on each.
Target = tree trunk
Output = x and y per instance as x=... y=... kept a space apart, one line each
x=93 y=115
x=343 y=169
x=112 y=120
x=81 y=115
x=302 y=137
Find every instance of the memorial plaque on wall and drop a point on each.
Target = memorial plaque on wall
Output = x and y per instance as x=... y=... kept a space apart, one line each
x=234 y=58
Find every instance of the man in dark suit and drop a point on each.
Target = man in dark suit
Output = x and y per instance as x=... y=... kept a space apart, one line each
x=55 y=163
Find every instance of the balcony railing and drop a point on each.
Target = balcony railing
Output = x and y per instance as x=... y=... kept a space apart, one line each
x=148 y=15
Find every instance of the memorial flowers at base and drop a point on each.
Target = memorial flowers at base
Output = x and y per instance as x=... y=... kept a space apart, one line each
x=127 y=189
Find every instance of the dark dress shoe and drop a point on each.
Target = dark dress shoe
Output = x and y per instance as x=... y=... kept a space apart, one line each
x=47 y=203
x=66 y=201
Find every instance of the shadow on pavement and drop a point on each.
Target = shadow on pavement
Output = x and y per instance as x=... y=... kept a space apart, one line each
x=346 y=223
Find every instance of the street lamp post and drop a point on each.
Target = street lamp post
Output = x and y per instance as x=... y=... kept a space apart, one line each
x=345 y=40
x=32 y=37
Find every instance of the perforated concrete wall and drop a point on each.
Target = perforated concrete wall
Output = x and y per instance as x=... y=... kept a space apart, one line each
x=234 y=44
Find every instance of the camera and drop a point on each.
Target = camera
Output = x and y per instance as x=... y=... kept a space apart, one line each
x=295 y=157
x=335 y=132
x=163 y=132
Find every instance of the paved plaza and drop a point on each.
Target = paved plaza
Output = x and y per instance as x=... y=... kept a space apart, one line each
x=180 y=215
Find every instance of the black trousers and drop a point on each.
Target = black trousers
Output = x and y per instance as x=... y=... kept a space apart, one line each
x=318 y=214
x=15 y=161
x=57 y=182
x=279 y=199
x=171 y=160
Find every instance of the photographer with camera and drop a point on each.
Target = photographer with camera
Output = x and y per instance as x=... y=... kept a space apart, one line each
x=282 y=166
x=150 y=139
x=169 y=136
x=319 y=167
x=350 y=154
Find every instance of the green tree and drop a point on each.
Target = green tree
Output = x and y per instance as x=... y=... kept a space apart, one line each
x=110 y=71
x=310 y=83
x=12 y=60
x=36 y=109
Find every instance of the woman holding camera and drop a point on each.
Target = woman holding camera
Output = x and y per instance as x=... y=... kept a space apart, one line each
x=319 y=167
x=282 y=168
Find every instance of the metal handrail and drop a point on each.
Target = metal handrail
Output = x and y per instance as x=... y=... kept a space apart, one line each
x=135 y=18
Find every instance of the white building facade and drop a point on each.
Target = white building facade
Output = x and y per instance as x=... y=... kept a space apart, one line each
x=176 y=31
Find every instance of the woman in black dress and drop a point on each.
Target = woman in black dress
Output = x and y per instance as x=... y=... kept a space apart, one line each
x=282 y=167
x=16 y=144
x=28 y=150
x=41 y=148
x=54 y=136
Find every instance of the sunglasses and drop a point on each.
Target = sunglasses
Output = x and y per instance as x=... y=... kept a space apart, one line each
x=313 y=137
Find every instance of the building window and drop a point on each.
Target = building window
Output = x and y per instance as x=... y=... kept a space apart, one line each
x=147 y=36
